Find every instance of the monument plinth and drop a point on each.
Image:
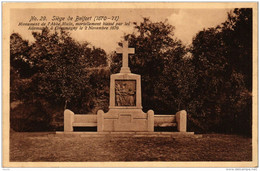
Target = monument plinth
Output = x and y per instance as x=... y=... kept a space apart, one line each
x=125 y=103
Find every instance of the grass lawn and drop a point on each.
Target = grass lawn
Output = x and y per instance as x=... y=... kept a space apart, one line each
x=38 y=147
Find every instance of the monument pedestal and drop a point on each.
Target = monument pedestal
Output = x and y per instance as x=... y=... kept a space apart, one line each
x=125 y=111
x=125 y=104
x=127 y=120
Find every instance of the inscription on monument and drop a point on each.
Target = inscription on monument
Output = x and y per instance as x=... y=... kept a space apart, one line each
x=125 y=92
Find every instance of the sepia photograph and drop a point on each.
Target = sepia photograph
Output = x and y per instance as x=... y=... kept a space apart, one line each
x=130 y=84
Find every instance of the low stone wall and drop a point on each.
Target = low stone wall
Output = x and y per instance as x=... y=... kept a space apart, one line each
x=91 y=120
x=78 y=120
x=179 y=120
x=164 y=120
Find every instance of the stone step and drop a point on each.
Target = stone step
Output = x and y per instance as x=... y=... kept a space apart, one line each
x=84 y=124
x=127 y=134
x=165 y=124
x=78 y=124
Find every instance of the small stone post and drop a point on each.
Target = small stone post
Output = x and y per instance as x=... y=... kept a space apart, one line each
x=181 y=119
x=100 y=120
x=150 y=119
x=68 y=120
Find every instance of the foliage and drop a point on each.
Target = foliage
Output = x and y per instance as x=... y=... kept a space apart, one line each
x=31 y=117
x=237 y=31
x=222 y=57
x=21 y=68
x=19 y=56
x=62 y=78
x=53 y=70
x=99 y=80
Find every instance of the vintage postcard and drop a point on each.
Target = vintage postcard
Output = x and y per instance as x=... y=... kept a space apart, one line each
x=130 y=84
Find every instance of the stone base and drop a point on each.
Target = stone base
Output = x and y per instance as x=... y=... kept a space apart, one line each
x=125 y=120
x=128 y=134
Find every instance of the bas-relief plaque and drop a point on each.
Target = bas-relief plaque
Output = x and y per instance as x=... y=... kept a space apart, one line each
x=125 y=92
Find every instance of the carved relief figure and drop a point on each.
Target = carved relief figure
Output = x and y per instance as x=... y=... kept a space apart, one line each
x=118 y=95
x=125 y=93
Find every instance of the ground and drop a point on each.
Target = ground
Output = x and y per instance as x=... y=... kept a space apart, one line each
x=210 y=147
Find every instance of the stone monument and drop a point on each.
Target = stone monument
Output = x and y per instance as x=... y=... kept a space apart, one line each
x=125 y=102
x=125 y=107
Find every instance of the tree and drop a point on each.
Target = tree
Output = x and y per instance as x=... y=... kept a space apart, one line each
x=63 y=74
x=222 y=60
x=62 y=77
x=237 y=31
x=19 y=56
x=97 y=58
x=21 y=68
x=58 y=76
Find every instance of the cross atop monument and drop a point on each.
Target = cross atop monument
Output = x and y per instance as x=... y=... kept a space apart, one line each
x=125 y=51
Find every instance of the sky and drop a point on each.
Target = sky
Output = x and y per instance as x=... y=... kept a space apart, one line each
x=187 y=22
